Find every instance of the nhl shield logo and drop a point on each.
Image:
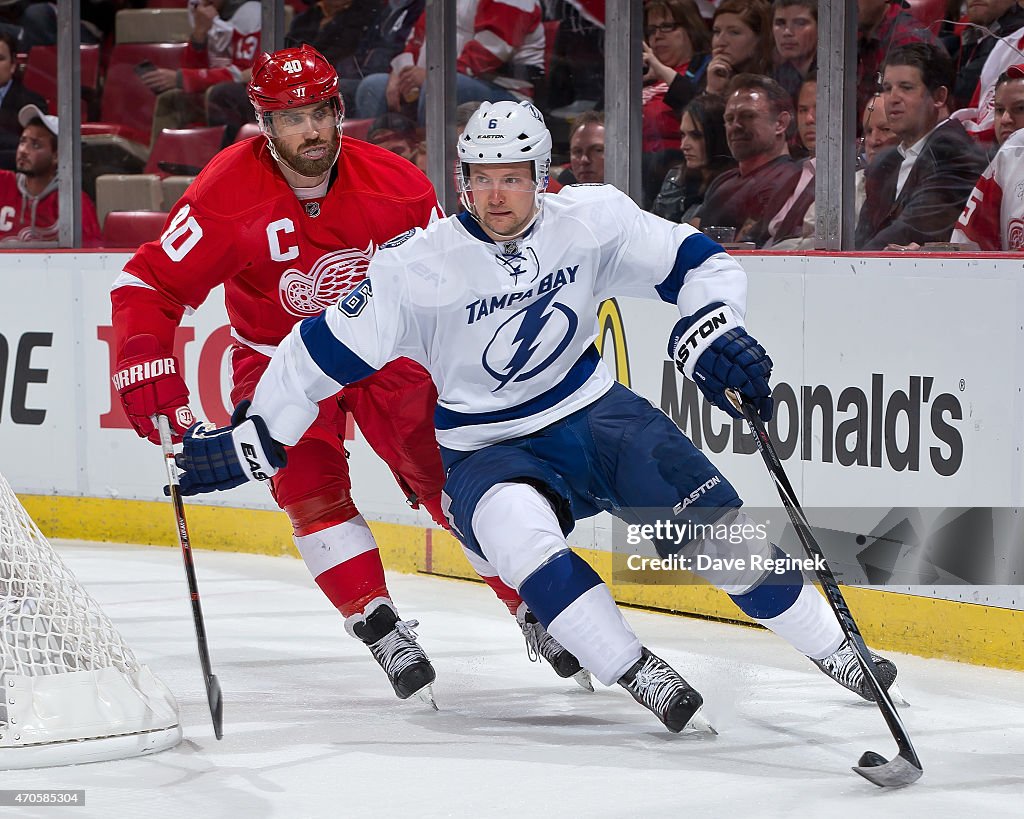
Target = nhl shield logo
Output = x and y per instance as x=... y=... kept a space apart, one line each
x=312 y=209
x=510 y=248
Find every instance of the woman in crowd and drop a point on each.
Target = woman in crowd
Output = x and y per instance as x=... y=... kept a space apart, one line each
x=705 y=156
x=675 y=47
x=741 y=42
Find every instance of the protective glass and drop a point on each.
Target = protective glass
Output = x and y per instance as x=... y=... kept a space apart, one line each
x=289 y=122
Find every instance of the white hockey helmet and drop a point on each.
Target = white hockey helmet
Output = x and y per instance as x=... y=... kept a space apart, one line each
x=503 y=132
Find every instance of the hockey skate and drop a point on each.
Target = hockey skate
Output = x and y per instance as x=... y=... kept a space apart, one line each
x=658 y=687
x=843 y=667
x=392 y=642
x=541 y=645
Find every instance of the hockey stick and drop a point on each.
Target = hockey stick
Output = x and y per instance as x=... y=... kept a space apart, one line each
x=213 y=695
x=904 y=768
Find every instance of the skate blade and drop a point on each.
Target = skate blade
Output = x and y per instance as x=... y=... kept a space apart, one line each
x=897 y=696
x=699 y=724
x=582 y=679
x=426 y=694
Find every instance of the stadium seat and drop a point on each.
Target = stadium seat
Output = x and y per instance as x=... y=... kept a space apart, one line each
x=41 y=74
x=152 y=25
x=174 y=188
x=184 y=151
x=128 y=105
x=250 y=129
x=358 y=128
x=138 y=191
x=131 y=228
x=109 y=154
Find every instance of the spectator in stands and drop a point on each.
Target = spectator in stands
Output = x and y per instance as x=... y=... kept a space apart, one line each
x=335 y=28
x=916 y=190
x=758 y=114
x=795 y=27
x=997 y=18
x=741 y=42
x=28 y=198
x=882 y=25
x=500 y=44
x=586 y=151
x=791 y=219
x=395 y=133
x=676 y=45
x=576 y=74
x=13 y=97
x=34 y=22
x=705 y=156
x=683 y=86
x=359 y=37
x=876 y=135
x=1009 y=103
x=993 y=218
x=211 y=84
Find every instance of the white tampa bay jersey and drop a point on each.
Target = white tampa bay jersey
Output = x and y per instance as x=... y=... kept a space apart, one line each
x=506 y=330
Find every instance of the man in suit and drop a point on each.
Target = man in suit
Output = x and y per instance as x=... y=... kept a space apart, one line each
x=916 y=190
x=13 y=97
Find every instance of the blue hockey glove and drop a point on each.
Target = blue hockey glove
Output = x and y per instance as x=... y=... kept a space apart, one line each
x=215 y=459
x=713 y=349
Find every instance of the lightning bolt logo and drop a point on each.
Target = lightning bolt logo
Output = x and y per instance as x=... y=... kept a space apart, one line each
x=527 y=340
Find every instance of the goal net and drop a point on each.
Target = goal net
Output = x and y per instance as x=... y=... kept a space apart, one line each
x=72 y=689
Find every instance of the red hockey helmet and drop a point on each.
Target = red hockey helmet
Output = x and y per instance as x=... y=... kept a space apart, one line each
x=292 y=78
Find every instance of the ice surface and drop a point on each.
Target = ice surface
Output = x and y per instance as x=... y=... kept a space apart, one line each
x=311 y=728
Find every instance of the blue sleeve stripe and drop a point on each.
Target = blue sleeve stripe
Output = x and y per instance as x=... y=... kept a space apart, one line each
x=556 y=585
x=329 y=354
x=693 y=252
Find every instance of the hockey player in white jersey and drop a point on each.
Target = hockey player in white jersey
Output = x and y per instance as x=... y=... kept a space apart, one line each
x=500 y=305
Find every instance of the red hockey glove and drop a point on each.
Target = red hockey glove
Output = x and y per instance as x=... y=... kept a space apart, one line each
x=149 y=382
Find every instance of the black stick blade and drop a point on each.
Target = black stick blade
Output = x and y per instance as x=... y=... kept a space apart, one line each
x=897 y=773
x=213 y=696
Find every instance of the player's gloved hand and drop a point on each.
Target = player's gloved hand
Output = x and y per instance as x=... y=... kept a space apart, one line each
x=213 y=459
x=149 y=382
x=713 y=349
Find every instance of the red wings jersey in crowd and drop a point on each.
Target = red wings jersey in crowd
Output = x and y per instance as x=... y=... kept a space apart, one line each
x=280 y=259
x=27 y=219
x=231 y=46
x=993 y=217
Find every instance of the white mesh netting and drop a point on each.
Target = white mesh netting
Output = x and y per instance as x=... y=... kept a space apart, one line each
x=50 y=624
x=72 y=690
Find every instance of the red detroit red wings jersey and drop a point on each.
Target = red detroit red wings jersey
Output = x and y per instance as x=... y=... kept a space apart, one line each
x=281 y=260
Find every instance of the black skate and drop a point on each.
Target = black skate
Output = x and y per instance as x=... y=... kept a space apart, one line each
x=659 y=688
x=392 y=642
x=540 y=644
x=843 y=667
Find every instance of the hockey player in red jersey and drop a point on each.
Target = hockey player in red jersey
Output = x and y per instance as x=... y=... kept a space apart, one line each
x=287 y=222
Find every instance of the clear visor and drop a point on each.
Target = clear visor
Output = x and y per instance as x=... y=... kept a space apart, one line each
x=480 y=183
x=291 y=121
